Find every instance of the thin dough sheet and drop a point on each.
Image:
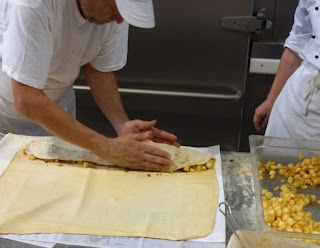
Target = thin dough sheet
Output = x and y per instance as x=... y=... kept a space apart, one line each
x=39 y=197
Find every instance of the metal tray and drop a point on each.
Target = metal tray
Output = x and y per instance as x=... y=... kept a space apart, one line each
x=282 y=151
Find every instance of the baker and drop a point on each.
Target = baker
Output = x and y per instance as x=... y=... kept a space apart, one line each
x=43 y=45
x=292 y=108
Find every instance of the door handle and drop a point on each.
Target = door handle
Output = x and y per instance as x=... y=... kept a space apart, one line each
x=236 y=96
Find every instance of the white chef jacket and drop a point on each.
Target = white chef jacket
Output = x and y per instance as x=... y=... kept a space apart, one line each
x=296 y=112
x=43 y=44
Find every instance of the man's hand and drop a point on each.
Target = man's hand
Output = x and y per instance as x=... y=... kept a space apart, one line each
x=130 y=151
x=262 y=114
x=158 y=135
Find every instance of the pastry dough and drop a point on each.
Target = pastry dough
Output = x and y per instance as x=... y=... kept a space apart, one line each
x=51 y=147
x=183 y=156
x=39 y=197
x=54 y=148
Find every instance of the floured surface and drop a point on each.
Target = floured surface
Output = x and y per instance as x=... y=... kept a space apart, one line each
x=45 y=198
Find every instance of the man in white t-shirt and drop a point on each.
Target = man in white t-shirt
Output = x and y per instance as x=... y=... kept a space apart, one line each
x=43 y=44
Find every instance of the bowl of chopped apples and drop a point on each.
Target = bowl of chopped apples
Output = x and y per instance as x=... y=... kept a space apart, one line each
x=287 y=186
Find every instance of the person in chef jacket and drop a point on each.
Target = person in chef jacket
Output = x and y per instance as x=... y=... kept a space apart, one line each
x=292 y=107
x=43 y=45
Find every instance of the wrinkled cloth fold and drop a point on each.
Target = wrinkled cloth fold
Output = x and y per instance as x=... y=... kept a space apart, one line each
x=296 y=112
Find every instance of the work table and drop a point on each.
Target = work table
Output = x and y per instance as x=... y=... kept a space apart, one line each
x=238 y=187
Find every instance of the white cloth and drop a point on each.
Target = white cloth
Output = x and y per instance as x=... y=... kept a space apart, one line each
x=304 y=37
x=43 y=44
x=296 y=112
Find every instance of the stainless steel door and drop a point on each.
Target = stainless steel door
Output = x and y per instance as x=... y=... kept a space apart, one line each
x=188 y=73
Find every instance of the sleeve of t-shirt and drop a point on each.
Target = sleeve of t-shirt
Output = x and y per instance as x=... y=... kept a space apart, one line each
x=27 y=46
x=113 y=53
x=301 y=31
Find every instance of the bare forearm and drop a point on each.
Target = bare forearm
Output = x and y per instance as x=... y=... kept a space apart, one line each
x=129 y=150
x=105 y=92
x=289 y=63
x=37 y=107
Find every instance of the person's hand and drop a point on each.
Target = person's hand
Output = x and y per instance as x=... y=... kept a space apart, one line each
x=262 y=114
x=158 y=135
x=130 y=151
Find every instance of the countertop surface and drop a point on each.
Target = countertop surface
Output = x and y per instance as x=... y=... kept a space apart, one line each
x=238 y=187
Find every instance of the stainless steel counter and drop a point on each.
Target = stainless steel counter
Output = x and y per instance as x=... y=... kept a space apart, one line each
x=238 y=186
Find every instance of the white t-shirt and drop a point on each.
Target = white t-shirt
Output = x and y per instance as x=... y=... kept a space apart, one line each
x=43 y=44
